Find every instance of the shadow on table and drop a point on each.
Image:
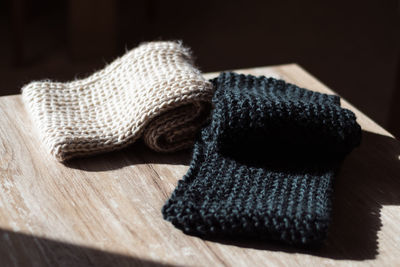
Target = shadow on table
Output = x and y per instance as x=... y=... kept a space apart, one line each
x=17 y=249
x=137 y=153
x=368 y=179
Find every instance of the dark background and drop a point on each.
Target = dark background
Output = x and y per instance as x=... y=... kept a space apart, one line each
x=352 y=46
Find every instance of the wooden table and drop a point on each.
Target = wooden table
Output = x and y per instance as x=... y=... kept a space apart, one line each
x=105 y=210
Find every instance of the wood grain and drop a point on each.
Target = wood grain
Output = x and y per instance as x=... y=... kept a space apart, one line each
x=105 y=210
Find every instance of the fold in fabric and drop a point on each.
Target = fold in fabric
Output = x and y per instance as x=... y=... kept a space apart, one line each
x=264 y=165
x=152 y=91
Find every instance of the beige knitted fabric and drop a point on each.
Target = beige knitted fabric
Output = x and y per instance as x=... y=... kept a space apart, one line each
x=152 y=91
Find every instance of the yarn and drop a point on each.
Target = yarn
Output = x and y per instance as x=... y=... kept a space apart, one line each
x=152 y=91
x=264 y=165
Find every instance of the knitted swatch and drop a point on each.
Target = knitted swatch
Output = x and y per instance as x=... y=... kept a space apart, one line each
x=264 y=165
x=152 y=91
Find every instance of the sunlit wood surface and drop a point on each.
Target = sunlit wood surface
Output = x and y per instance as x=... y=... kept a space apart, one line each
x=105 y=210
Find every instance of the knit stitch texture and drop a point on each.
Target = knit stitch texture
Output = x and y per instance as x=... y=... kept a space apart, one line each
x=264 y=166
x=152 y=91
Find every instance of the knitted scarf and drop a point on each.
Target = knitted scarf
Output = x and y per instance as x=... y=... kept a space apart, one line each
x=264 y=165
x=152 y=91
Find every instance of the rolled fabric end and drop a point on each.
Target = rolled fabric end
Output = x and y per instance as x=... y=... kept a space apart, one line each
x=176 y=129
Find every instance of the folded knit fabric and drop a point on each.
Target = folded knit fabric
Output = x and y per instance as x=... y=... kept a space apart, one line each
x=152 y=91
x=264 y=165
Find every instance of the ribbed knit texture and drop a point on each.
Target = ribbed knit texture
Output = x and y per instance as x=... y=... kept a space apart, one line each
x=264 y=166
x=152 y=91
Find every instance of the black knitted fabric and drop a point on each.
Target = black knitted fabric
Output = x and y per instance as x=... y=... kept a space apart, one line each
x=264 y=165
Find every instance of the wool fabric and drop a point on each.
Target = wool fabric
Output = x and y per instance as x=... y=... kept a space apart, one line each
x=264 y=165
x=153 y=91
